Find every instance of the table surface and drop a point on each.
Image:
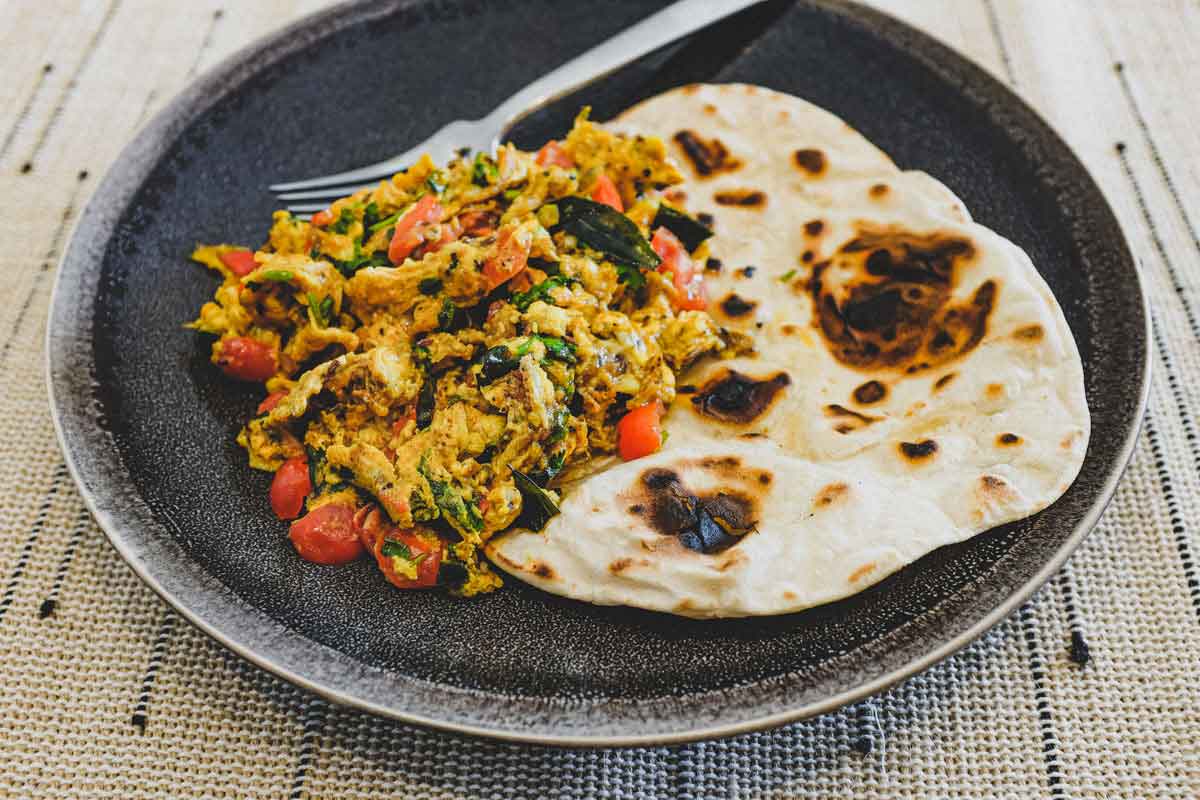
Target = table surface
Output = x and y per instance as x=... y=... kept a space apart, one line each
x=1092 y=689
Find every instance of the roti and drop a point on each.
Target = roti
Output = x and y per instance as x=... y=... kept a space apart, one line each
x=914 y=381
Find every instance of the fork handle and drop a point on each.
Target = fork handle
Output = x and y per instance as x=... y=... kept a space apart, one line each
x=661 y=28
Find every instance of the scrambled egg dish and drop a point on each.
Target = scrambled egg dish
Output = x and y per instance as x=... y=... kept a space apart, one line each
x=445 y=351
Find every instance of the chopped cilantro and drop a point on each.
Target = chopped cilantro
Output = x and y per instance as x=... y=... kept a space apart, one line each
x=345 y=219
x=370 y=216
x=321 y=309
x=436 y=182
x=787 y=276
x=278 y=275
x=523 y=300
x=483 y=171
x=630 y=276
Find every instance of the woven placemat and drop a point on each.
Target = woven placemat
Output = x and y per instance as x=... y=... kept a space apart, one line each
x=1090 y=690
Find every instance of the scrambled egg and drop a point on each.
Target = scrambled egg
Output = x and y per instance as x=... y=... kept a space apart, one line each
x=429 y=342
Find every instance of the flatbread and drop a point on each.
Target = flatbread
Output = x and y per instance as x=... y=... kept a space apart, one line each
x=915 y=381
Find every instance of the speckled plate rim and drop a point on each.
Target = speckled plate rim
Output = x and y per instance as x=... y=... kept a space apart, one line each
x=262 y=641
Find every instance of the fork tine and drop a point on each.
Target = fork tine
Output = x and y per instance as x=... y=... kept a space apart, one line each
x=320 y=194
x=368 y=174
x=306 y=208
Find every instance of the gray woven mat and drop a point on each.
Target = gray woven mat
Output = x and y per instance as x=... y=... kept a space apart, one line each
x=1090 y=690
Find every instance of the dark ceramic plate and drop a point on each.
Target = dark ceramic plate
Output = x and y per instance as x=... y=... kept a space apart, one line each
x=148 y=426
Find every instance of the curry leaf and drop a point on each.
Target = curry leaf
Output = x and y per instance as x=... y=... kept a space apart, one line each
x=537 y=506
x=605 y=229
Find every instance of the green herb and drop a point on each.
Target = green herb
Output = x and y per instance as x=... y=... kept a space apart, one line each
x=321 y=309
x=421 y=353
x=430 y=286
x=559 y=418
x=500 y=360
x=426 y=400
x=462 y=515
x=497 y=362
x=359 y=261
x=436 y=182
x=787 y=276
x=556 y=348
x=451 y=317
x=370 y=216
x=386 y=221
x=511 y=194
x=537 y=506
x=523 y=300
x=630 y=276
x=605 y=229
x=421 y=504
x=394 y=549
x=690 y=231
x=325 y=477
x=315 y=253
x=554 y=465
x=278 y=275
x=344 y=221
x=483 y=171
x=316 y=464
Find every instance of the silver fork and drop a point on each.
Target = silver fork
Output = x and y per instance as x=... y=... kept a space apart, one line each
x=661 y=28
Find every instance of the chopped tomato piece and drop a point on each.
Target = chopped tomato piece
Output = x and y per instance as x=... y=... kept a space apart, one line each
x=409 y=232
x=552 y=153
x=270 y=401
x=239 y=262
x=408 y=561
x=605 y=191
x=447 y=234
x=510 y=257
x=327 y=535
x=246 y=359
x=410 y=414
x=289 y=488
x=639 y=433
x=689 y=282
x=322 y=218
x=479 y=223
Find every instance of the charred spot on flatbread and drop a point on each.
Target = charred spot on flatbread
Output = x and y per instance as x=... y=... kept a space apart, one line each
x=708 y=523
x=810 y=161
x=706 y=157
x=848 y=420
x=814 y=227
x=1008 y=440
x=620 y=565
x=918 y=451
x=738 y=399
x=830 y=494
x=861 y=572
x=944 y=381
x=1029 y=333
x=735 y=306
x=742 y=198
x=869 y=393
x=720 y=463
x=887 y=301
x=807 y=256
x=542 y=570
x=878 y=191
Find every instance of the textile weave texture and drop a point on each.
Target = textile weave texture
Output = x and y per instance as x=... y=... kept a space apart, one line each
x=1092 y=689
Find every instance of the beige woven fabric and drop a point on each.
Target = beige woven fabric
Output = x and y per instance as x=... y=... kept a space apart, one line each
x=104 y=692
